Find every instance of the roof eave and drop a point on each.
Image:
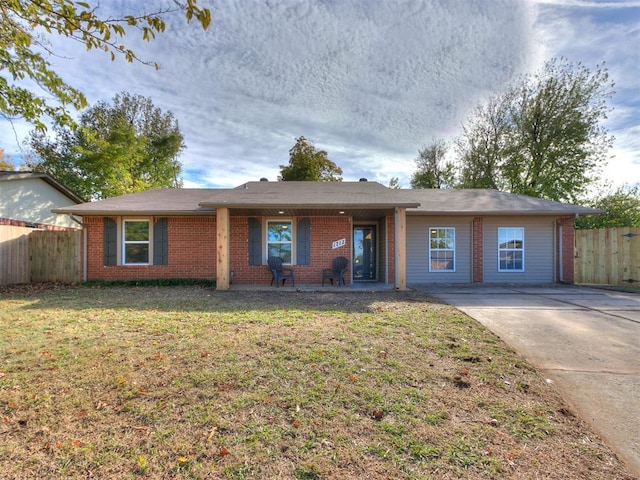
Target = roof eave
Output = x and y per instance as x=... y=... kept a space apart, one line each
x=290 y=206
x=146 y=213
x=502 y=212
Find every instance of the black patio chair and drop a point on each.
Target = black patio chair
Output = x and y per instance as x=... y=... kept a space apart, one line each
x=278 y=273
x=336 y=272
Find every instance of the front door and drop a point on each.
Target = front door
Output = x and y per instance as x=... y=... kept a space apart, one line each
x=364 y=253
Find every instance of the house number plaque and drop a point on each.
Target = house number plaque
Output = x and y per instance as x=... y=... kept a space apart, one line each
x=339 y=243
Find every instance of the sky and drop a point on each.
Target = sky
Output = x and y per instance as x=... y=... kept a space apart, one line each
x=371 y=82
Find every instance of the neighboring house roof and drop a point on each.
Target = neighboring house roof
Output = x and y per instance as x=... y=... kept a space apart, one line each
x=360 y=199
x=13 y=175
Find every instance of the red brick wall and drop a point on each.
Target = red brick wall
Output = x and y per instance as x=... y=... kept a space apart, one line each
x=566 y=261
x=477 y=250
x=324 y=231
x=192 y=252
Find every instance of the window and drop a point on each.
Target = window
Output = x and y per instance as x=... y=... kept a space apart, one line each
x=442 y=249
x=511 y=249
x=280 y=240
x=135 y=248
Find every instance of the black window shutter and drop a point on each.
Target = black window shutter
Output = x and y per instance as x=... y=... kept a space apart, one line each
x=303 y=242
x=255 y=242
x=161 y=241
x=110 y=250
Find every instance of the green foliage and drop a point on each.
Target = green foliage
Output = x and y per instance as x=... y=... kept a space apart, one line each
x=541 y=137
x=5 y=162
x=161 y=282
x=433 y=171
x=25 y=49
x=127 y=147
x=621 y=209
x=306 y=163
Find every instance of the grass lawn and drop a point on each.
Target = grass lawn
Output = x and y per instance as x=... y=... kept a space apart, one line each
x=187 y=382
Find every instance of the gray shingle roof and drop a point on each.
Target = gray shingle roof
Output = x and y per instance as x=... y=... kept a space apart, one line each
x=172 y=201
x=317 y=196
x=309 y=195
x=487 y=202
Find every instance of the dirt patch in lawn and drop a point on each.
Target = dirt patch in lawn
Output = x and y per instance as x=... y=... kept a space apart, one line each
x=192 y=383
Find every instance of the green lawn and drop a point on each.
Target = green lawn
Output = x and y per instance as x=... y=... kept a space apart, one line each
x=187 y=382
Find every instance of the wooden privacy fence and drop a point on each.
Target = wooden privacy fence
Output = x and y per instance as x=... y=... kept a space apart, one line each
x=608 y=256
x=30 y=256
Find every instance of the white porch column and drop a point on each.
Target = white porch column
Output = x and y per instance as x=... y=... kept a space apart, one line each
x=400 y=217
x=222 y=249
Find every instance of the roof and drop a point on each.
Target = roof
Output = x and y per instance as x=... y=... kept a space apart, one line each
x=309 y=195
x=13 y=175
x=361 y=200
x=488 y=202
x=159 y=201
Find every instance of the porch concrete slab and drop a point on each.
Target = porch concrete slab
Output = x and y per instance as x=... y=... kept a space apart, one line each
x=354 y=287
x=586 y=340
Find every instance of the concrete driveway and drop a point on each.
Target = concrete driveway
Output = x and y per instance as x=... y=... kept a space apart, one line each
x=586 y=340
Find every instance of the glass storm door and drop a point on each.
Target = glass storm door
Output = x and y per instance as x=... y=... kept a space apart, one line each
x=364 y=253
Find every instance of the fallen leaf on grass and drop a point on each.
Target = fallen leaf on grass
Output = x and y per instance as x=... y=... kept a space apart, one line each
x=226 y=387
x=223 y=452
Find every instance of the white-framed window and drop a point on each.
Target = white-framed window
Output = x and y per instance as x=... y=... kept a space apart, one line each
x=511 y=249
x=136 y=242
x=442 y=249
x=280 y=240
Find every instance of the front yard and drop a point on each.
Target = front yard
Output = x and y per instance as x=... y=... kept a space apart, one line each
x=187 y=382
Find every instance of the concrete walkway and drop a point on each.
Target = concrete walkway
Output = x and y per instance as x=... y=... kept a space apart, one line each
x=586 y=340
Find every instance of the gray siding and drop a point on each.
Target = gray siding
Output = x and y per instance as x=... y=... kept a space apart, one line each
x=538 y=250
x=418 y=249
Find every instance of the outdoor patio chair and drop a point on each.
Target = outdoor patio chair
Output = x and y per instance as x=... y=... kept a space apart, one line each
x=336 y=272
x=278 y=273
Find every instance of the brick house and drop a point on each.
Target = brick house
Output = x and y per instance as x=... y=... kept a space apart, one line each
x=392 y=236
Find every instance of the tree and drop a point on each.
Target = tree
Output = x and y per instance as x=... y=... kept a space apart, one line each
x=394 y=183
x=433 y=170
x=126 y=147
x=24 y=50
x=480 y=147
x=5 y=162
x=542 y=137
x=309 y=164
x=621 y=209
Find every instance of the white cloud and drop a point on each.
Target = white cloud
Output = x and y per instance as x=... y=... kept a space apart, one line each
x=369 y=82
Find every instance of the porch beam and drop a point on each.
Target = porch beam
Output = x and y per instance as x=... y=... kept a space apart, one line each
x=222 y=248
x=400 y=281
